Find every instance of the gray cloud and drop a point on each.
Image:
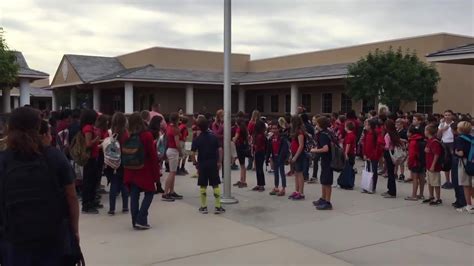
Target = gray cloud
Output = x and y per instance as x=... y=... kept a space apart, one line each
x=261 y=28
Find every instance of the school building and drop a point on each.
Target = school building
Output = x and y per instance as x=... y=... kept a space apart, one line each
x=193 y=80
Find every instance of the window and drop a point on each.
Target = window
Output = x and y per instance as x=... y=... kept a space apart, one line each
x=117 y=103
x=425 y=105
x=346 y=103
x=368 y=105
x=260 y=103
x=274 y=103
x=306 y=101
x=327 y=103
x=287 y=103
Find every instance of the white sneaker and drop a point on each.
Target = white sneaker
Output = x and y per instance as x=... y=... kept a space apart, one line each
x=468 y=209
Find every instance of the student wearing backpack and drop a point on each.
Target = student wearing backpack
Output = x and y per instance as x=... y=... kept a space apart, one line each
x=327 y=176
x=403 y=134
x=433 y=153
x=392 y=140
x=89 y=192
x=463 y=146
x=278 y=153
x=173 y=152
x=347 y=177
x=102 y=130
x=298 y=159
x=416 y=161
x=34 y=227
x=115 y=176
x=142 y=179
x=373 y=144
x=260 y=146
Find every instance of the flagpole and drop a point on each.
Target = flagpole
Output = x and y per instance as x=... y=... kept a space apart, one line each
x=227 y=197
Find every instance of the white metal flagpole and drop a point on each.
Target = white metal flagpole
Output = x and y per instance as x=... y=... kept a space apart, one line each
x=227 y=197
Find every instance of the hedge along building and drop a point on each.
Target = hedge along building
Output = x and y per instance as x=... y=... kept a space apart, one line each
x=30 y=88
x=192 y=79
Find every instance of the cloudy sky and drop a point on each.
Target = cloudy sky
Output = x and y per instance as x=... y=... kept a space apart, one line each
x=46 y=29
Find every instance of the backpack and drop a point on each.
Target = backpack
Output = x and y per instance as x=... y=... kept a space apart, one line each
x=112 y=153
x=421 y=152
x=399 y=155
x=78 y=151
x=133 y=153
x=469 y=165
x=161 y=145
x=31 y=202
x=309 y=143
x=338 y=160
x=445 y=159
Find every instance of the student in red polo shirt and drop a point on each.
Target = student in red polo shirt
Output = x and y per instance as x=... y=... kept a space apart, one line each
x=183 y=135
x=433 y=151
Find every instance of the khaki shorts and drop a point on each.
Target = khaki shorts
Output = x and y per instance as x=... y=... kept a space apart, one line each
x=433 y=178
x=465 y=180
x=173 y=157
x=182 y=145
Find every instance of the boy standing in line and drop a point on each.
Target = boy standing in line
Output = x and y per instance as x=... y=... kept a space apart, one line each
x=209 y=159
x=447 y=137
x=433 y=152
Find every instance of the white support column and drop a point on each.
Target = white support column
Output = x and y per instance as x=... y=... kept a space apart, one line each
x=24 y=92
x=128 y=88
x=54 y=101
x=96 y=99
x=73 y=98
x=6 y=100
x=294 y=99
x=189 y=99
x=16 y=102
x=242 y=99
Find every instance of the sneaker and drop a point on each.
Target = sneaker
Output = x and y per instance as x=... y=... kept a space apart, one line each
x=299 y=197
x=270 y=171
x=234 y=167
x=467 y=209
x=420 y=197
x=242 y=185
x=384 y=194
x=256 y=188
x=176 y=196
x=167 y=197
x=428 y=200
x=185 y=172
x=293 y=195
x=326 y=206
x=98 y=205
x=90 y=211
x=142 y=226
x=364 y=191
x=401 y=177
x=125 y=210
x=318 y=202
x=203 y=210
x=111 y=213
x=281 y=193
x=436 y=202
x=274 y=192
x=160 y=190
x=219 y=210
x=457 y=205
x=447 y=185
x=370 y=192
x=261 y=189
x=388 y=196
x=237 y=184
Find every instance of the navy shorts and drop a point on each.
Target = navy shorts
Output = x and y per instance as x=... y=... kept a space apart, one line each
x=301 y=162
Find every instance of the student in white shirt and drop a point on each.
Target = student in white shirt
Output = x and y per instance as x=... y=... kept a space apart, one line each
x=445 y=133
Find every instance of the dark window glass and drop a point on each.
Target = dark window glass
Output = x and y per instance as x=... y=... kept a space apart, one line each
x=274 y=103
x=287 y=103
x=260 y=103
x=327 y=103
x=306 y=101
x=346 y=103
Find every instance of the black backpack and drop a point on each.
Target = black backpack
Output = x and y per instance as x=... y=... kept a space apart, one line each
x=421 y=152
x=446 y=157
x=31 y=202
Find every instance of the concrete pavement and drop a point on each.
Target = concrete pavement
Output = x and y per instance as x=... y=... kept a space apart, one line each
x=267 y=230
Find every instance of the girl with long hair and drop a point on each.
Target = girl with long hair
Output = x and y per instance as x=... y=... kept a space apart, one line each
x=172 y=153
x=241 y=140
x=260 y=145
x=392 y=140
x=299 y=159
x=373 y=144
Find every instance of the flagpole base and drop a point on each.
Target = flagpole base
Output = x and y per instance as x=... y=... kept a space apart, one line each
x=229 y=200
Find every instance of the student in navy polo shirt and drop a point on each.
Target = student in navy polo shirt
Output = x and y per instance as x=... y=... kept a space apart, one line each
x=209 y=159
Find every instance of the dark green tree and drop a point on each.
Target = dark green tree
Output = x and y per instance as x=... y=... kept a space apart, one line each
x=392 y=77
x=8 y=66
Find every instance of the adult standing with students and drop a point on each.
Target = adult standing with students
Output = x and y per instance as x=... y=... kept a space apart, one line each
x=445 y=133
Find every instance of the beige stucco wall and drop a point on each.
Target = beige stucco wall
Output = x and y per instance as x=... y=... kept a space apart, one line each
x=183 y=59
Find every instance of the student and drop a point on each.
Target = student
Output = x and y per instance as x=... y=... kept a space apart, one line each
x=241 y=140
x=347 y=176
x=102 y=130
x=433 y=152
x=392 y=140
x=209 y=163
x=260 y=146
x=233 y=152
x=416 y=163
x=327 y=176
x=89 y=203
x=251 y=130
x=115 y=177
x=373 y=144
x=298 y=159
x=183 y=135
x=159 y=142
x=279 y=154
x=458 y=189
x=403 y=134
x=447 y=137
x=142 y=180
x=50 y=211
x=316 y=157
x=462 y=149
x=172 y=153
